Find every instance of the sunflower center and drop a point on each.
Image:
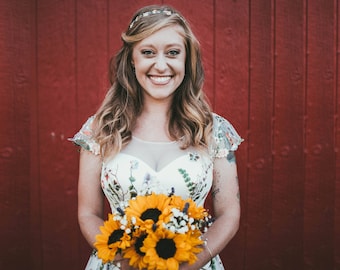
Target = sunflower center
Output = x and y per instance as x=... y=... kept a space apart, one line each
x=139 y=244
x=151 y=213
x=166 y=248
x=115 y=236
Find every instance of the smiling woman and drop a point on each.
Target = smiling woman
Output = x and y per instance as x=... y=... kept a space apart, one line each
x=155 y=134
x=159 y=62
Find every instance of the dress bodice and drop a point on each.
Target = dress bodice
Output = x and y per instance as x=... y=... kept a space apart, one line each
x=187 y=174
x=160 y=167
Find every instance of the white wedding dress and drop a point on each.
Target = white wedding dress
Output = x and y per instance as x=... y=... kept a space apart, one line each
x=160 y=166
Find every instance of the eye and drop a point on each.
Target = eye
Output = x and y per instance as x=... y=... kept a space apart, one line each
x=147 y=52
x=173 y=53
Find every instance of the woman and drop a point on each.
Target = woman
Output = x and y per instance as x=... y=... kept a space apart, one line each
x=153 y=125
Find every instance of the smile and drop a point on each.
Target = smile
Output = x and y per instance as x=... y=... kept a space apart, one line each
x=160 y=79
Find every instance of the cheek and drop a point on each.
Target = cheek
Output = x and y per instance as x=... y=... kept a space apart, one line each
x=139 y=76
x=181 y=68
x=141 y=66
x=181 y=64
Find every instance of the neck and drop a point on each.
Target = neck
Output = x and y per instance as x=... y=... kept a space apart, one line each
x=152 y=124
x=158 y=108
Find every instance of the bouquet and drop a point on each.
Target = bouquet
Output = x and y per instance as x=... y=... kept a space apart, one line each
x=154 y=231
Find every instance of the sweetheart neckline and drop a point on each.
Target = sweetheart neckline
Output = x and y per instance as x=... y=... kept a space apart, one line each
x=145 y=163
x=154 y=142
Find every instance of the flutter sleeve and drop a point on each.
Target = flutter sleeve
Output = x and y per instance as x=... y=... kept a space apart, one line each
x=84 y=137
x=225 y=138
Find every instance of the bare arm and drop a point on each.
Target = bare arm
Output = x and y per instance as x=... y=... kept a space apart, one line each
x=225 y=195
x=90 y=196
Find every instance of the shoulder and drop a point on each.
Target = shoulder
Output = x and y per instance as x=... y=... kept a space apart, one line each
x=84 y=137
x=225 y=137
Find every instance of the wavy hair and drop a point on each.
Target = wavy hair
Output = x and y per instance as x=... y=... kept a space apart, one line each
x=190 y=117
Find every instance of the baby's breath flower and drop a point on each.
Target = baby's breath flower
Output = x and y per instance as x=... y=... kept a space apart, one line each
x=182 y=223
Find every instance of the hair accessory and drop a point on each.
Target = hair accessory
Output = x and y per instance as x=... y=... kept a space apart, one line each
x=151 y=12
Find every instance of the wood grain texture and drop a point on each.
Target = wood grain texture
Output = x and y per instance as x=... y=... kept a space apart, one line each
x=56 y=86
x=92 y=54
x=15 y=64
x=231 y=94
x=320 y=166
x=336 y=231
x=288 y=136
x=260 y=172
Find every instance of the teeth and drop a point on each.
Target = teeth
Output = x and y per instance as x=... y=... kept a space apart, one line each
x=160 y=79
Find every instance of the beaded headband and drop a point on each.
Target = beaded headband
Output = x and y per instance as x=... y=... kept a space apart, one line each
x=151 y=12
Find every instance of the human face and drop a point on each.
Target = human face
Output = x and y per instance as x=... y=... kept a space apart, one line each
x=159 y=62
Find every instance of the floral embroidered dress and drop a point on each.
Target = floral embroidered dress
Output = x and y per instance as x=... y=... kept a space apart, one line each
x=160 y=167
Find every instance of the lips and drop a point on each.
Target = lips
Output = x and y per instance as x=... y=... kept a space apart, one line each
x=160 y=79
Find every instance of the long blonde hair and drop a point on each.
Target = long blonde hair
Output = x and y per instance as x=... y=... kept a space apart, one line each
x=190 y=114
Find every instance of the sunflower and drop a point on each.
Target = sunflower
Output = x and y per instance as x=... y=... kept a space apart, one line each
x=111 y=240
x=148 y=210
x=165 y=250
x=134 y=253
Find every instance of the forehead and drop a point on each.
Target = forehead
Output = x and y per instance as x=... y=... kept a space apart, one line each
x=173 y=34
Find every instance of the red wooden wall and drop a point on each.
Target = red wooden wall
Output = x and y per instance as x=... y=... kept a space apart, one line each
x=272 y=69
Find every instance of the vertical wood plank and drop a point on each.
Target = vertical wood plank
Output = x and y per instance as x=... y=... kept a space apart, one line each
x=92 y=55
x=231 y=97
x=320 y=165
x=56 y=119
x=260 y=175
x=288 y=137
x=231 y=59
x=16 y=27
x=336 y=232
x=36 y=249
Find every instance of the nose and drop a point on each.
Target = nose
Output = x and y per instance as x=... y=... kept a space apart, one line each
x=160 y=62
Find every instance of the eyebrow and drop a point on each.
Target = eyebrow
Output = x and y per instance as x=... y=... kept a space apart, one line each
x=166 y=45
